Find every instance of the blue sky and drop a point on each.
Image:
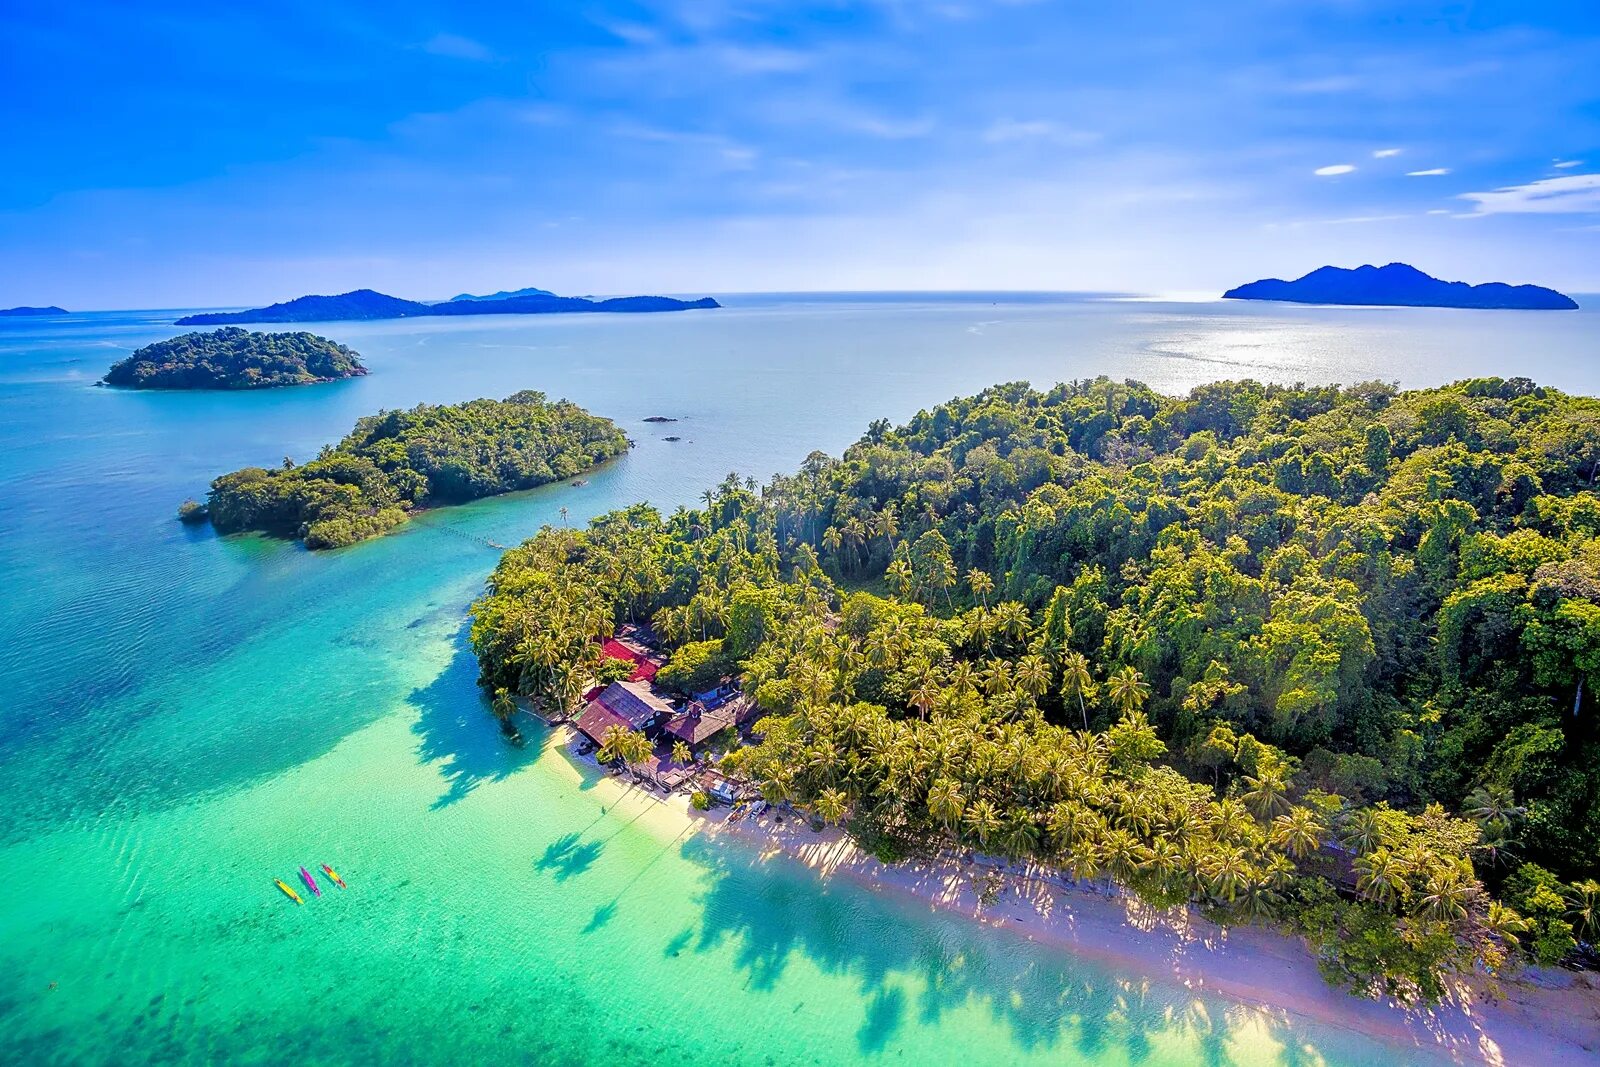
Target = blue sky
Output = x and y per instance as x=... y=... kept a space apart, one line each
x=162 y=155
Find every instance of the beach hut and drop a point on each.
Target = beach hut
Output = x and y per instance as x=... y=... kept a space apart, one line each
x=630 y=705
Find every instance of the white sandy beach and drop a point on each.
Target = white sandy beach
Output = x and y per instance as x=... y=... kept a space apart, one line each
x=1538 y=1017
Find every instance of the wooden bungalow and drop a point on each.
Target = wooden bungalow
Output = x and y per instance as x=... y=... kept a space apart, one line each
x=630 y=705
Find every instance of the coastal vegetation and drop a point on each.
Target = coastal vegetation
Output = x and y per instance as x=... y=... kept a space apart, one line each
x=1318 y=657
x=232 y=358
x=395 y=462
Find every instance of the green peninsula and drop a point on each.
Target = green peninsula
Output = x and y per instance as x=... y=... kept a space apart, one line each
x=233 y=358
x=1323 y=658
x=397 y=462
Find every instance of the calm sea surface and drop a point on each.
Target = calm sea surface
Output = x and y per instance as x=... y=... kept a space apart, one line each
x=185 y=717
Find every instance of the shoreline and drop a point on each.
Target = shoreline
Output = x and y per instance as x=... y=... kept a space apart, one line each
x=1539 y=1016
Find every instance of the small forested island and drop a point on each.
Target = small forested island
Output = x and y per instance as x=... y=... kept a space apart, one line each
x=1399 y=285
x=362 y=304
x=396 y=462
x=232 y=358
x=26 y=312
x=1316 y=657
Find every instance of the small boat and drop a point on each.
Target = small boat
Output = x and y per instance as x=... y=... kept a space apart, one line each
x=311 y=883
x=288 y=891
x=331 y=873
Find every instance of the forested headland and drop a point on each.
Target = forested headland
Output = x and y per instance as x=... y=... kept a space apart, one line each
x=397 y=461
x=1319 y=657
x=233 y=358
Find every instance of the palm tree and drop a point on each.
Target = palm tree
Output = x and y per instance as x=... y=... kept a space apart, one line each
x=1011 y=620
x=1020 y=835
x=1123 y=855
x=899 y=575
x=981 y=821
x=831 y=805
x=1127 y=689
x=613 y=743
x=961 y=677
x=1492 y=804
x=1380 y=876
x=1227 y=873
x=945 y=802
x=996 y=677
x=1363 y=831
x=1268 y=794
x=1504 y=923
x=926 y=694
x=1299 y=833
x=1584 y=911
x=1448 y=892
x=1077 y=681
x=681 y=753
x=981 y=585
x=1033 y=676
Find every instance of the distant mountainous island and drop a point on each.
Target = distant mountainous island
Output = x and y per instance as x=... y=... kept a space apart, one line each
x=504 y=294
x=367 y=304
x=232 y=358
x=1399 y=285
x=25 y=312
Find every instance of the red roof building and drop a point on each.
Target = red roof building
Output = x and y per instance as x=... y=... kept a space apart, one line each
x=644 y=668
x=630 y=705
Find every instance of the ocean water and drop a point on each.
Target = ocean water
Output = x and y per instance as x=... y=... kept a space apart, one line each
x=184 y=717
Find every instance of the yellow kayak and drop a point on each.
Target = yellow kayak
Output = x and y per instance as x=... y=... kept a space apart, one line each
x=288 y=891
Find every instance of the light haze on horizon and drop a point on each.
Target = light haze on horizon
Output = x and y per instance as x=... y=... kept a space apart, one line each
x=178 y=155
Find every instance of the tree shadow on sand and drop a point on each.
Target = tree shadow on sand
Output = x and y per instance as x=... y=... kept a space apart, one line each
x=910 y=967
x=459 y=734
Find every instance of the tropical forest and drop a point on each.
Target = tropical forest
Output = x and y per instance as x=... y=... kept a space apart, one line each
x=1322 y=658
x=233 y=358
x=396 y=462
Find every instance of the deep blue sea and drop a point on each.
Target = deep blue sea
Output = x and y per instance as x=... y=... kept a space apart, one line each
x=184 y=717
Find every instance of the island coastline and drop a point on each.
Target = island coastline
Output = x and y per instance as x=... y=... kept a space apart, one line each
x=1542 y=1016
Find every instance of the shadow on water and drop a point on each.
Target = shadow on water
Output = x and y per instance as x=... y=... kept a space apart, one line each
x=565 y=857
x=457 y=731
x=907 y=972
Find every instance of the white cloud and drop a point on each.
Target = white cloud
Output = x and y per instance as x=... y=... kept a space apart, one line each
x=1439 y=211
x=1570 y=194
x=1431 y=172
x=1334 y=170
x=456 y=47
x=1386 y=153
x=1566 y=164
x=1005 y=131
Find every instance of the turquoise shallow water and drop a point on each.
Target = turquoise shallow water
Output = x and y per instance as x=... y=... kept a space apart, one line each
x=183 y=717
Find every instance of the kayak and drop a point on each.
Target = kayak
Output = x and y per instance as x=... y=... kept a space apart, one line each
x=288 y=891
x=311 y=883
x=331 y=873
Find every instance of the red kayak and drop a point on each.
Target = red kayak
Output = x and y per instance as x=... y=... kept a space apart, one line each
x=311 y=883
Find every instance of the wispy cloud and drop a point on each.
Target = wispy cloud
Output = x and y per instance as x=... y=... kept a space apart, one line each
x=1431 y=172
x=1567 y=164
x=455 y=46
x=1570 y=194
x=1005 y=131
x=1334 y=170
x=1386 y=153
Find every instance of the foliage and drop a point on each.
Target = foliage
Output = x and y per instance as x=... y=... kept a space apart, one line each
x=233 y=358
x=1248 y=648
x=396 y=461
x=695 y=668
